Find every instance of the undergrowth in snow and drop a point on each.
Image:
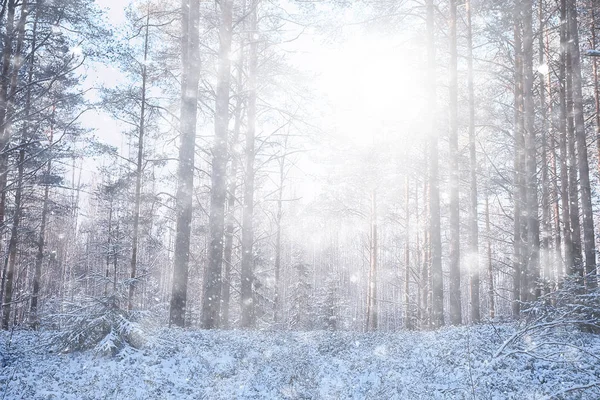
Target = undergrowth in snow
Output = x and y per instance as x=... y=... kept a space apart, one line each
x=452 y=363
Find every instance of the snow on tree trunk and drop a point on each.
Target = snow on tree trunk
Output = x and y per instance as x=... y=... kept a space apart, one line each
x=185 y=171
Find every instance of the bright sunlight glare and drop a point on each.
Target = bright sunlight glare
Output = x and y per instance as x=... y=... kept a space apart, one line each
x=375 y=89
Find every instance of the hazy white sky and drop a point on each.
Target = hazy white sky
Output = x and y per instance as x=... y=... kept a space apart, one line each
x=369 y=84
x=115 y=9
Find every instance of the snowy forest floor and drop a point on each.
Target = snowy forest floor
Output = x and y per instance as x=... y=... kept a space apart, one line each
x=452 y=363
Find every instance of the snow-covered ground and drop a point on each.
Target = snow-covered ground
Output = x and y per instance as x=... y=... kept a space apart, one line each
x=453 y=363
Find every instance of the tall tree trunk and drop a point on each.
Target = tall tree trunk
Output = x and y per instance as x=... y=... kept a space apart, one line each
x=554 y=175
x=14 y=234
x=573 y=191
x=420 y=312
x=248 y=301
x=546 y=211
x=231 y=198
x=372 y=312
x=8 y=83
x=426 y=259
x=532 y=270
x=435 y=236
x=6 y=129
x=520 y=193
x=109 y=247
x=12 y=60
x=7 y=60
x=138 y=172
x=490 y=265
x=589 y=241
x=473 y=217
x=185 y=172
x=564 y=156
x=278 y=228
x=454 y=281
x=596 y=85
x=211 y=296
x=39 y=258
x=115 y=256
x=407 y=310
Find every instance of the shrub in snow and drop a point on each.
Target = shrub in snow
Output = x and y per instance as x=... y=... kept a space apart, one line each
x=98 y=324
x=328 y=305
x=301 y=306
x=571 y=307
x=572 y=304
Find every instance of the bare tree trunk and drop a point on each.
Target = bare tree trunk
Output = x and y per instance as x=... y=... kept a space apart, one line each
x=589 y=240
x=490 y=265
x=532 y=270
x=473 y=216
x=6 y=128
x=564 y=156
x=577 y=267
x=185 y=173
x=231 y=198
x=407 y=311
x=546 y=234
x=138 y=173
x=520 y=194
x=437 y=283
x=278 y=219
x=426 y=270
x=372 y=312
x=419 y=316
x=247 y=287
x=211 y=296
x=115 y=254
x=454 y=280
x=7 y=59
x=14 y=235
x=39 y=258
x=108 y=246
x=554 y=175
x=8 y=85
x=596 y=86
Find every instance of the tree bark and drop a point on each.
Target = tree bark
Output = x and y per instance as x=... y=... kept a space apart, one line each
x=437 y=283
x=520 y=193
x=138 y=173
x=231 y=199
x=573 y=192
x=6 y=129
x=14 y=234
x=407 y=310
x=7 y=58
x=39 y=258
x=589 y=241
x=563 y=139
x=596 y=86
x=490 y=265
x=185 y=171
x=473 y=215
x=247 y=289
x=211 y=296
x=546 y=211
x=278 y=228
x=372 y=312
x=532 y=270
x=454 y=280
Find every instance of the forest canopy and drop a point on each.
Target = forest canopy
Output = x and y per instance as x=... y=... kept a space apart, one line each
x=263 y=165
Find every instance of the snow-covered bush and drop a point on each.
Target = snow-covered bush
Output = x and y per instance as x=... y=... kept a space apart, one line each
x=301 y=306
x=571 y=304
x=97 y=324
